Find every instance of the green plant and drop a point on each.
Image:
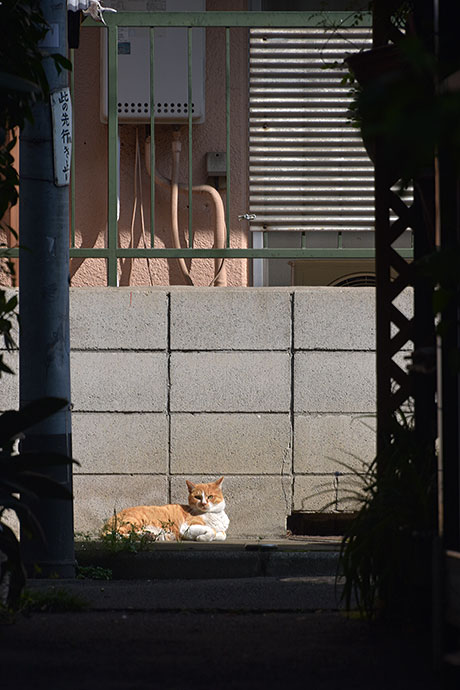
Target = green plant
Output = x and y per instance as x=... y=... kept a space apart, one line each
x=22 y=476
x=54 y=600
x=385 y=555
x=85 y=537
x=93 y=572
x=393 y=95
x=134 y=540
x=442 y=269
x=395 y=102
x=22 y=81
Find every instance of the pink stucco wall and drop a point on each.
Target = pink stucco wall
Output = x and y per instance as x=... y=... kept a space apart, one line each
x=91 y=175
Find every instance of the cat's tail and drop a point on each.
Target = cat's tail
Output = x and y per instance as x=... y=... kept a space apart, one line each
x=117 y=526
x=121 y=526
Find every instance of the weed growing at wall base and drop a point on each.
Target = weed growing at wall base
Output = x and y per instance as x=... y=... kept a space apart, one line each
x=133 y=541
x=385 y=560
x=53 y=600
x=93 y=572
x=386 y=552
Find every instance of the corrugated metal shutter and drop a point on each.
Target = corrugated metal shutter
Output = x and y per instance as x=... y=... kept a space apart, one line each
x=308 y=168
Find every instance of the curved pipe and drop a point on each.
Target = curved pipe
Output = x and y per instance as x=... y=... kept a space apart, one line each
x=220 y=235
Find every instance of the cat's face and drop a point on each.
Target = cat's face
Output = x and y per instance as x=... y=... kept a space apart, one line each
x=207 y=498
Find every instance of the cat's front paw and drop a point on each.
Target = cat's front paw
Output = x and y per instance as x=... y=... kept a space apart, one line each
x=207 y=536
x=192 y=532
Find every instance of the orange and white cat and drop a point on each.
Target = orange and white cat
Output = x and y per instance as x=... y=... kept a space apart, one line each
x=203 y=519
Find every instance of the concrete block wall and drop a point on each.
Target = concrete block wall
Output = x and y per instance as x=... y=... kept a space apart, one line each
x=272 y=387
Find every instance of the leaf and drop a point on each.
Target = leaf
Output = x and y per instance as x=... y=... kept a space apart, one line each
x=10 y=342
x=5 y=368
x=61 y=62
x=11 y=304
x=441 y=299
x=41 y=486
x=12 y=82
x=11 y=144
x=13 y=422
x=24 y=513
x=13 y=485
x=34 y=461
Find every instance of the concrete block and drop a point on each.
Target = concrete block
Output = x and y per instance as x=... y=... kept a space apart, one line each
x=334 y=382
x=332 y=318
x=230 y=382
x=9 y=383
x=119 y=381
x=230 y=319
x=118 y=318
x=96 y=497
x=325 y=443
x=237 y=443
x=326 y=493
x=257 y=506
x=405 y=303
x=10 y=519
x=106 y=442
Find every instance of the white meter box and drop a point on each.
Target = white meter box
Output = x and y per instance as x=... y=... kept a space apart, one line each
x=171 y=67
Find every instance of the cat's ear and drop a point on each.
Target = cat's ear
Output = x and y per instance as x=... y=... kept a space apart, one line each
x=190 y=485
x=218 y=482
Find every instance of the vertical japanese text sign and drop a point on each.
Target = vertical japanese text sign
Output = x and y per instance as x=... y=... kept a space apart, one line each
x=61 y=109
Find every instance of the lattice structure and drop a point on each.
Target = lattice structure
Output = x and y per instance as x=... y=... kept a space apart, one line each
x=397 y=384
x=394 y=276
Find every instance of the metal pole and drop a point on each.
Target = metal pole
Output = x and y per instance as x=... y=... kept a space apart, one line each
x=44 y=342
x=449 y=216
x=382 y=264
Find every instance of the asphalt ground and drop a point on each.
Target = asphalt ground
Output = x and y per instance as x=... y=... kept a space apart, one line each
x=259 y=632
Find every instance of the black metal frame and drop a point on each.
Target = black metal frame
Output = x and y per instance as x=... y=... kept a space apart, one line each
x=396 y=383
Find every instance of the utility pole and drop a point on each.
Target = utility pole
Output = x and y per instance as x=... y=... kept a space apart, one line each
x=44 y=342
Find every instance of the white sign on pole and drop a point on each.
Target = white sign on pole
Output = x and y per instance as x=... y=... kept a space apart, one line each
x=61 y=110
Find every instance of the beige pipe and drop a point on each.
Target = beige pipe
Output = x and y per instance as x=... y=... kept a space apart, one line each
x=220 y=273
x=176 y=147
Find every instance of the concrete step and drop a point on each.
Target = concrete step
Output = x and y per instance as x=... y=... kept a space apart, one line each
x=240 y=594
x=236 y=559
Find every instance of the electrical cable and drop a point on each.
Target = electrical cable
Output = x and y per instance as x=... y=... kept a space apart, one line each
x=137 y=185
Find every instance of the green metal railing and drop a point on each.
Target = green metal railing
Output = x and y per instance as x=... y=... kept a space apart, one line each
x=112 y=252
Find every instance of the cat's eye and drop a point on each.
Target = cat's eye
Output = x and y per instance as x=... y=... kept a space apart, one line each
x=211 y=497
